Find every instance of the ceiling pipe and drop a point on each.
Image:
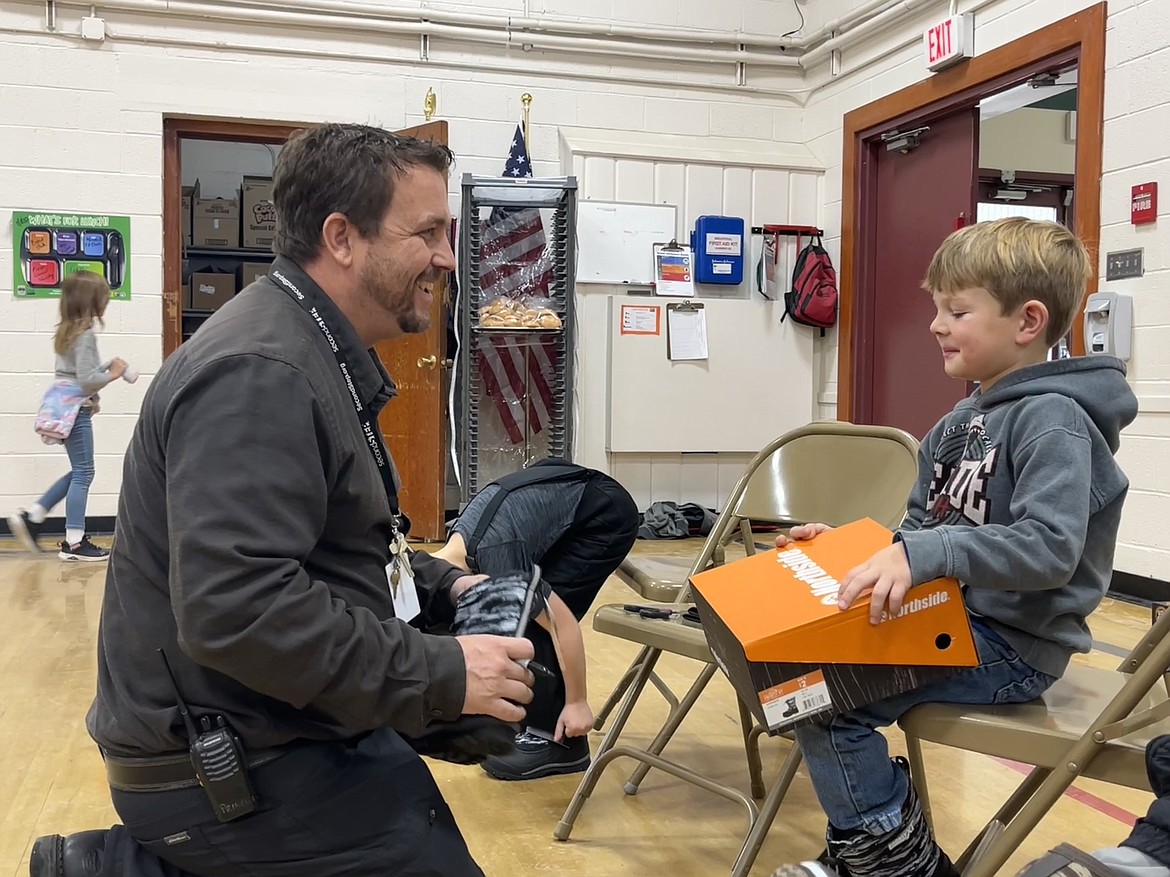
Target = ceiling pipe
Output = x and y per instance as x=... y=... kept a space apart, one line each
x=519 y=23
x=847 y=22
x=791 y=96
x=887 y=18
x=322 y=21
x=822 y=79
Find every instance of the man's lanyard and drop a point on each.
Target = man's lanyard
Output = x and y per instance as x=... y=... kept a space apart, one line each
x=369 y=427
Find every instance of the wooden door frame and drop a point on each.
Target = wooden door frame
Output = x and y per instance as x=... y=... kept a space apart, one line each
x=176 y=128
x=1079 y=37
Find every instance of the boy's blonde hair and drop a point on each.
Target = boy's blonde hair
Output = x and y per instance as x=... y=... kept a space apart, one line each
x=1016 y=260
x=84 y=296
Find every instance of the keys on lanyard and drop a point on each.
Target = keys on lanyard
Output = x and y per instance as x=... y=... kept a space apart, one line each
x=399 y=561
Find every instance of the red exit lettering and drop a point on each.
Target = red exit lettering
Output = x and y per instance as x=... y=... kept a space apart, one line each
x=941 y=41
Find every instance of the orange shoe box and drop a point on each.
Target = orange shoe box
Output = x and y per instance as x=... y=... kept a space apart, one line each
x=773 y=624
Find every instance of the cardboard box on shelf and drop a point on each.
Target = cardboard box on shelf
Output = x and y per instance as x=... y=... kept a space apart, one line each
x=251 y=271
x=773 y=624
x=259 y=216
x=188 y=197
x=210 y=289
x=215 y=222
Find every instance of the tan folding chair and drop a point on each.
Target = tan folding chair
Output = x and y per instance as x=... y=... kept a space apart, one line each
x=658 y=579
x=828 y=471
x=1093 y=723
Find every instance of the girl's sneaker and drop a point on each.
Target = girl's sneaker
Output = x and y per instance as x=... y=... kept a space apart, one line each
x=83 y=551
x=26 y=530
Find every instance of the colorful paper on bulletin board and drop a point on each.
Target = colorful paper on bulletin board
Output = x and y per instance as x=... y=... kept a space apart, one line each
x=48 y=247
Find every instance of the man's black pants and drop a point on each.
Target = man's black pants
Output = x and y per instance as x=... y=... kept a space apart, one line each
x=370 y=807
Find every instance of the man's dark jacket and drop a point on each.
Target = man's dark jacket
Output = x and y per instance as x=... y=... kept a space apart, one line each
x=251 y=542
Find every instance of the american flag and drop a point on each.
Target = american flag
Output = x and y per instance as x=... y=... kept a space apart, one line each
x=515 y=264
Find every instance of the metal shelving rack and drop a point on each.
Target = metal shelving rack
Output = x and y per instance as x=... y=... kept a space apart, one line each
x=558 y=196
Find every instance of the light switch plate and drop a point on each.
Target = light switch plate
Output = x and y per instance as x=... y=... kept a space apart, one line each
x=1124 y=263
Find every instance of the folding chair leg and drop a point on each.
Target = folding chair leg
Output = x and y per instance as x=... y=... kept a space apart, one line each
x=670 y=726
x=615 y=696
x=918 y=776
x=751 y=745
x=768 y=811
x=755 y=766
x=990 y=835
x=1018 y=817
x=599 y=763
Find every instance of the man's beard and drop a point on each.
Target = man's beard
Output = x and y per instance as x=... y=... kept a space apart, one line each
x=378 y=282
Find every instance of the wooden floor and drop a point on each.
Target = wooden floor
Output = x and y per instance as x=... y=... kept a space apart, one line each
x=51 y=777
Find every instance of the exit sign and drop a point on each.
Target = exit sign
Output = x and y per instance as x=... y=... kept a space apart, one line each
x=949 y=41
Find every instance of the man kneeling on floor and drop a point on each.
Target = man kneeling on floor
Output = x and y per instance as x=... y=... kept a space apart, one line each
x=1018 y=497
x=260 y=549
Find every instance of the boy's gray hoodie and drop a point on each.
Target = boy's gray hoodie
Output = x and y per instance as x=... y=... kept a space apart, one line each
x=1019 y=498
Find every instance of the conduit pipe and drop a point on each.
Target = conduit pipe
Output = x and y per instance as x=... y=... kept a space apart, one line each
x=589 y=29
x=322 y=21
x=792 y=96
x=515 y=23
x=872 y=26
x=884 y=19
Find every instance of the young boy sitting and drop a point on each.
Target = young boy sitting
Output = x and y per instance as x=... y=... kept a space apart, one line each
x=578 y=524
x=1018 y=497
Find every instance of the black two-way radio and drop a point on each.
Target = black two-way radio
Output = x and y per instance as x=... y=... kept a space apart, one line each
x=218 y=759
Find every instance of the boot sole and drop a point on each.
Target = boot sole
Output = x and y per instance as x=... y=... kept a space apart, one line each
x=547 y=770
x=80 y=558
x=48 y=857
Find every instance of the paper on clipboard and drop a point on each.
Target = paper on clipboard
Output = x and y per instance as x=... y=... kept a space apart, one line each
x=686 y=332
x=674 y=269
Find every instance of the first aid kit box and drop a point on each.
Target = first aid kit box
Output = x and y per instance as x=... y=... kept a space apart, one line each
x=718 y=244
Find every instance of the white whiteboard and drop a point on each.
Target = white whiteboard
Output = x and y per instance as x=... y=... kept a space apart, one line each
x=614 y=240
x=756 y=384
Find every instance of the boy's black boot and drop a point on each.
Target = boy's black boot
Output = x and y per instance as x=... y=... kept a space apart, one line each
x=908 y=850
x=78 y=855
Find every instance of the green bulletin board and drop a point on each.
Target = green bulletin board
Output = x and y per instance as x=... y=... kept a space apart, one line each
x=48 y=247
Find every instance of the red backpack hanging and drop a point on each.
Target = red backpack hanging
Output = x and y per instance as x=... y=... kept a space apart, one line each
x=812 y=300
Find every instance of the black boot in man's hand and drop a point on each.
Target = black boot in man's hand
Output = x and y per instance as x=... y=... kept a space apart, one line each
x=78 y=855
x=498 y=606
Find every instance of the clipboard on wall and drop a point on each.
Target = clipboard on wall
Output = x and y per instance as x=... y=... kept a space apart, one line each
x=686 y=331
x=674 y=269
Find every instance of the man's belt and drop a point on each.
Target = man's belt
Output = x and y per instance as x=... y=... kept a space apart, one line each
x=166 y=773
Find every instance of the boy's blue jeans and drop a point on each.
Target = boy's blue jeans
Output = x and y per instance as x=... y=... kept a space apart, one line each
x=73 y=487
x=849 y=762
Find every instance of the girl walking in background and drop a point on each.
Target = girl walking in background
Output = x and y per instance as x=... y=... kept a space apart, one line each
x=84 y=297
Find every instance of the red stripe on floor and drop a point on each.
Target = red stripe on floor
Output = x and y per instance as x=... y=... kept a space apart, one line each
x=1080 y=795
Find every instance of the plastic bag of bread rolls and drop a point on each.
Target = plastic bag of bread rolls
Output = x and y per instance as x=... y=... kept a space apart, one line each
x=502 y=312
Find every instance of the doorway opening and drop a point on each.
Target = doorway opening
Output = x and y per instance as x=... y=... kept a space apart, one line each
x=212 y=170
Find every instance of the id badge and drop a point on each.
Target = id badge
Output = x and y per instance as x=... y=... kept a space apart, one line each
x=400 y=580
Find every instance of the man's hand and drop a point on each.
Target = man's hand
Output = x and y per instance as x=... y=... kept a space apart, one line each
x=888 y=573
x=464 y=583
x=576 y=720
x=496 y=682
x=800 y=533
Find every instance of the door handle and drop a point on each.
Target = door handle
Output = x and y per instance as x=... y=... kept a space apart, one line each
x=427 y=361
